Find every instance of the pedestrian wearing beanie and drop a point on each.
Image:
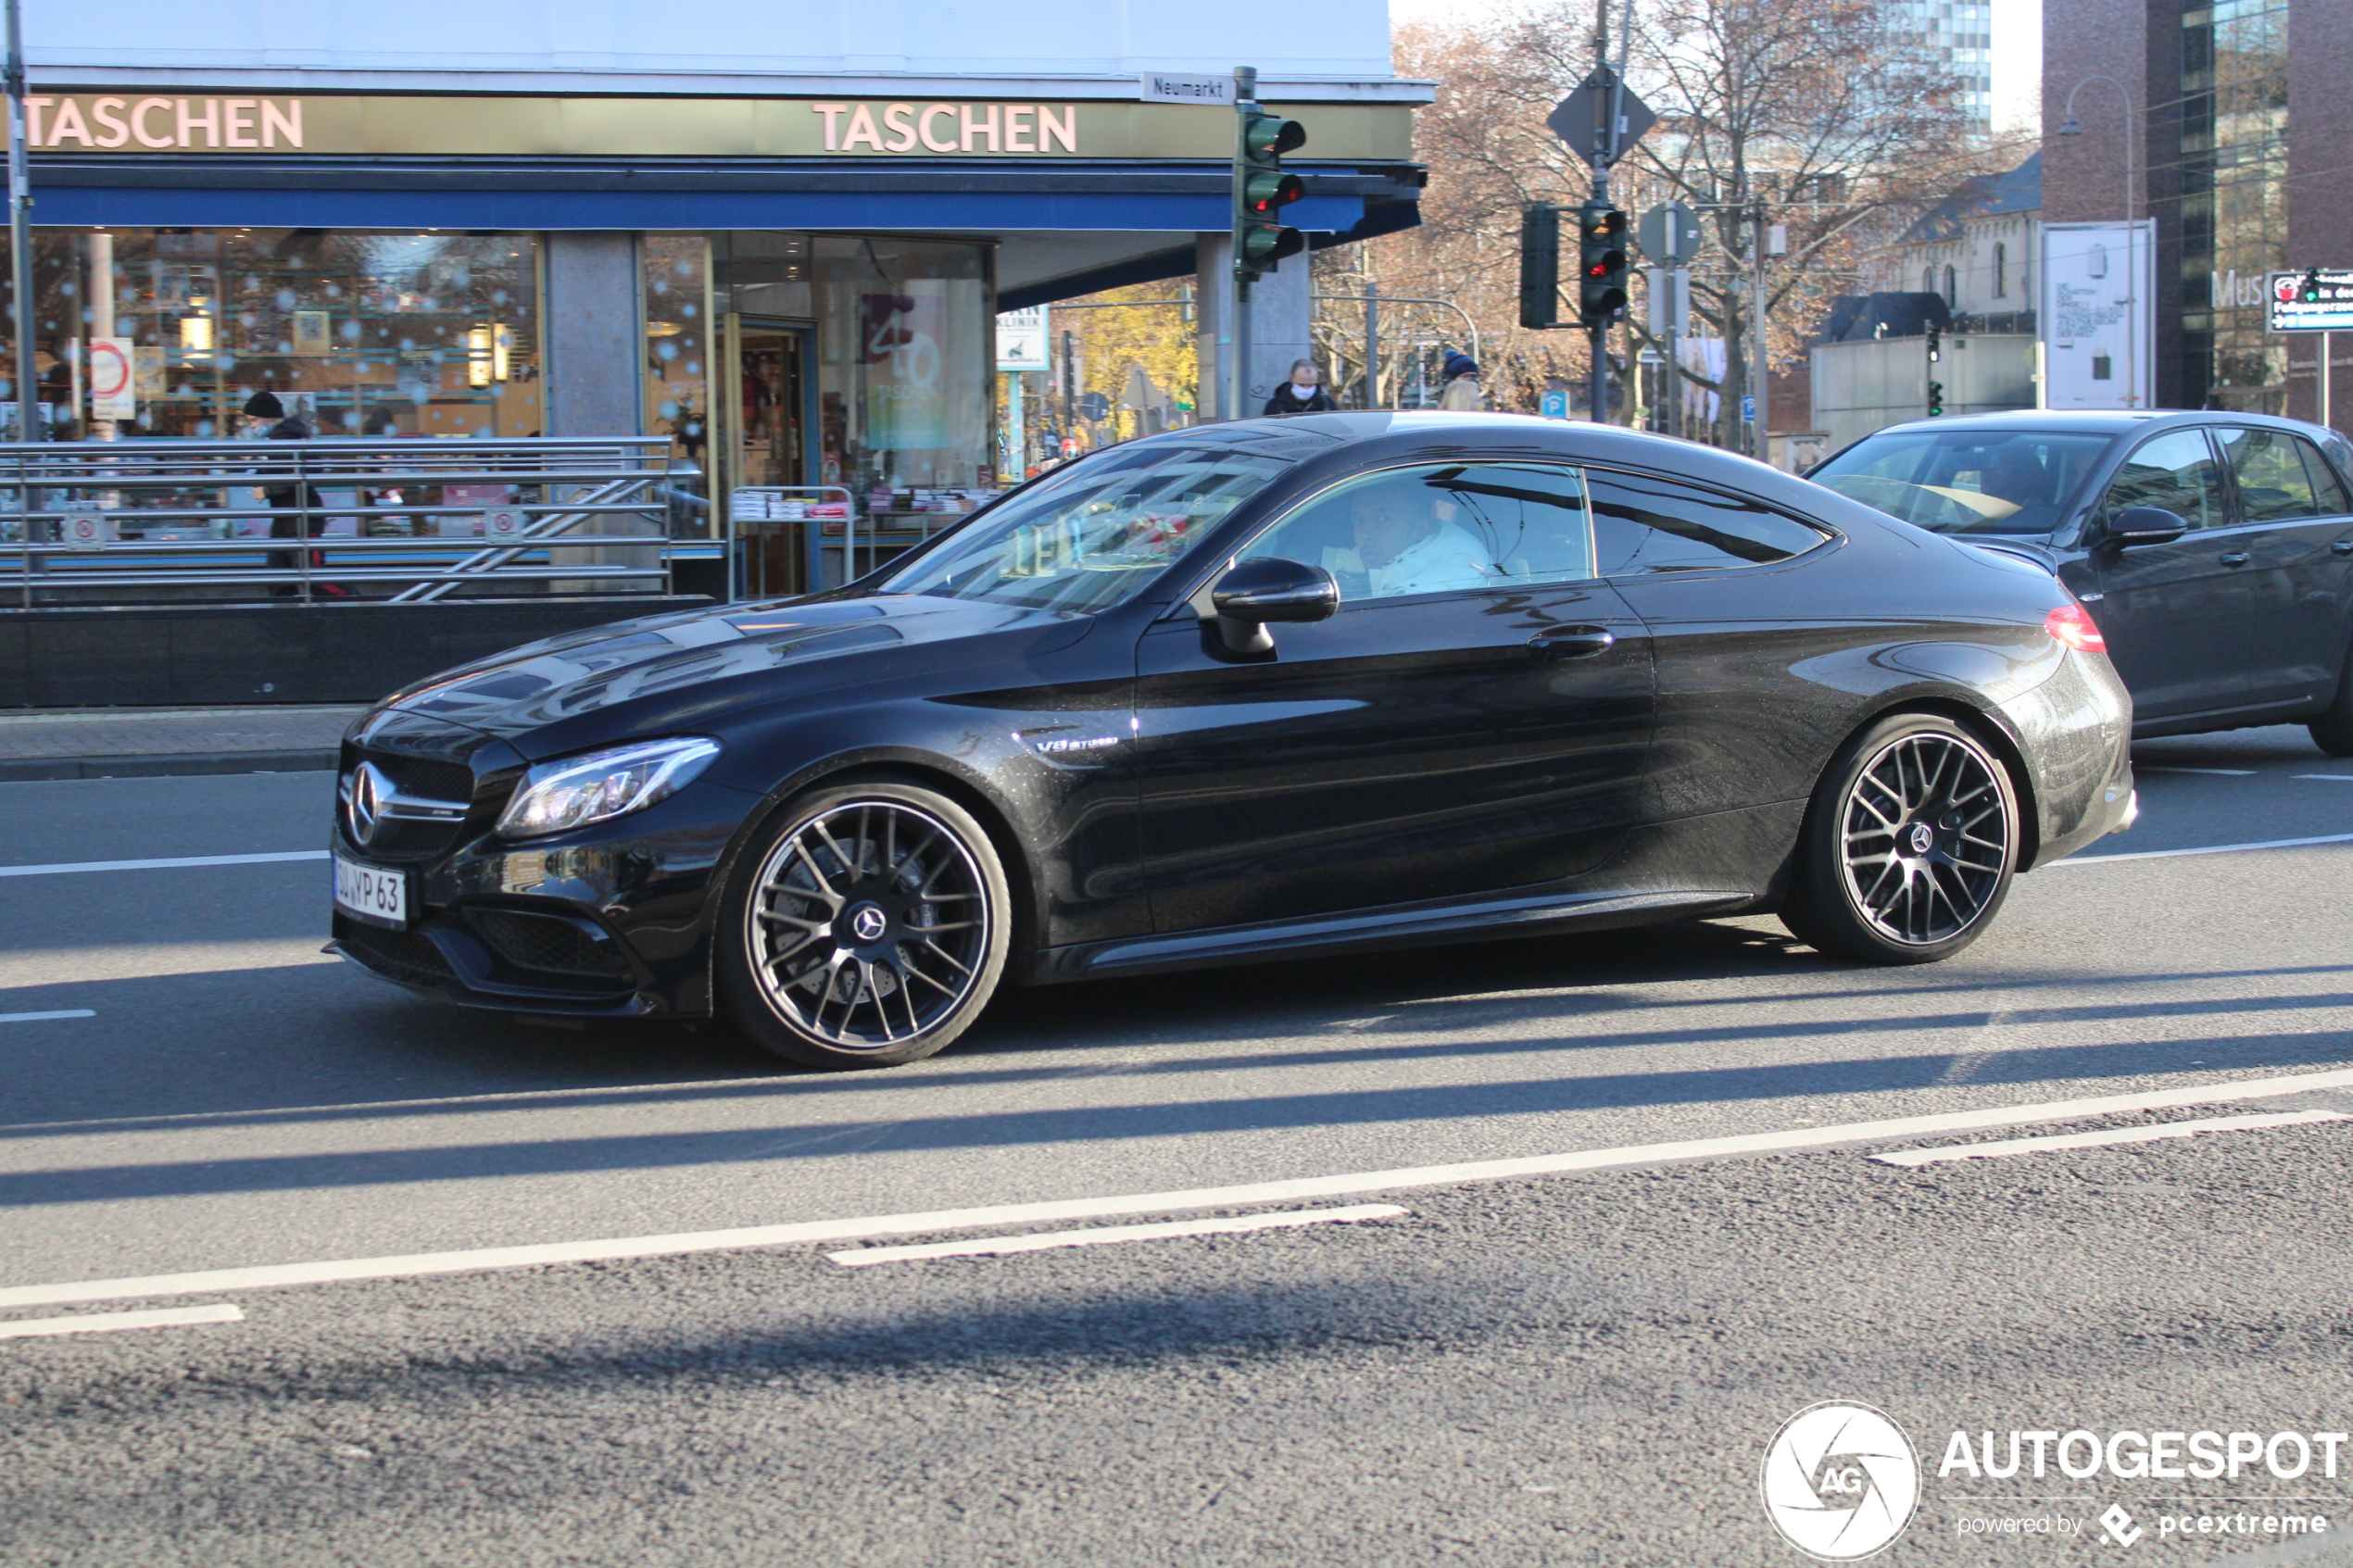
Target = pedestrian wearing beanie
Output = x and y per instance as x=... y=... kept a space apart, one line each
x=1462 y=389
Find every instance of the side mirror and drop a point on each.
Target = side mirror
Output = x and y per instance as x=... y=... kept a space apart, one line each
x=1269 y=588
x=2144 y=525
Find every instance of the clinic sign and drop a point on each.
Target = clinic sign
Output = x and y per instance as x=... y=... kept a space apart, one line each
x=129 y=125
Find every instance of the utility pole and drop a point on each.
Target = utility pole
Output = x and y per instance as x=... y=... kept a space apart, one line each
x=1372 y=346
x=20 y=232
x=1759 y=359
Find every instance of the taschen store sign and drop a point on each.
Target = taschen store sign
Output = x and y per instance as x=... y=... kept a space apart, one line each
x=134 y=124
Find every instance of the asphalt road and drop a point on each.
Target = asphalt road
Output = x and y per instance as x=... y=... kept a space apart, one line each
x=1582 y=1367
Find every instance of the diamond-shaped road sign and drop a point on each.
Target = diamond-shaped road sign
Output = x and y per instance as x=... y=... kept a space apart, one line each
x=1582 y=119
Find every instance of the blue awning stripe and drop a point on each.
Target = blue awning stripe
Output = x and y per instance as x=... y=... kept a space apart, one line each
x=163 y=206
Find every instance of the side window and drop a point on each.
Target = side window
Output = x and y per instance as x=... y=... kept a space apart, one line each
x=1643 y=525
x=2327 y=489
x=1439 y=528
x=2174 y=471
x=2273 y=483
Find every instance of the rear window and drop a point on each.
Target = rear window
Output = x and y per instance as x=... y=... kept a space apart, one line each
x=1968 y=482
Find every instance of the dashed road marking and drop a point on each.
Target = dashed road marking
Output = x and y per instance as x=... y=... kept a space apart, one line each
x=43 y=1017
x=1787 y=1140
x=2217 y=772
x=2332 y=778
x=110 y=1323
x=2150 y=1134
x=2204 y=849
x=1096 y=1236
x=65 y=867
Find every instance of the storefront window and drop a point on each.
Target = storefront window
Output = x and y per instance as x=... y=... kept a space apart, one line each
x=904 y=369
x=352 y=332
x=678 y=280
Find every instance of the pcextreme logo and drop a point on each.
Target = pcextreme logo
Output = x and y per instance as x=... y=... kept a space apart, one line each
x=1841 y=1481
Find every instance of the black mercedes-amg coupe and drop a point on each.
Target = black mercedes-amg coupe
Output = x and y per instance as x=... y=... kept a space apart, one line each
x=1278 y=687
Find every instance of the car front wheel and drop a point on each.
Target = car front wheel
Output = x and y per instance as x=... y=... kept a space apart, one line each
x=2333 y=731
x=1909 y=847
x=870 y=929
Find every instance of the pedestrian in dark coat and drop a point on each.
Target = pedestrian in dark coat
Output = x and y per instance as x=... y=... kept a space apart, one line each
x=299 y=501
x=1301 y=394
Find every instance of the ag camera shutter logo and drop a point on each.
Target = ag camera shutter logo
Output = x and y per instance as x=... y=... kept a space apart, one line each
x=1841 y=1481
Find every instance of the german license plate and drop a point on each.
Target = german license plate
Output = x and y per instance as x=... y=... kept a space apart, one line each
x=373 y=894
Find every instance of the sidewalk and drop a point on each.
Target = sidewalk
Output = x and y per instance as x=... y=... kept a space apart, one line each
x=119 y=743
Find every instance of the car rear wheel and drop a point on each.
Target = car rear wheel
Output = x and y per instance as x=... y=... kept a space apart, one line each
x=869 y=930
x=1909 y=847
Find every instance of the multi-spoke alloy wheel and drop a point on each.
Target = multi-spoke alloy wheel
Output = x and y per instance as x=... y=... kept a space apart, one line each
x=1928 y=837
x=1909 y=846
x=873 y=927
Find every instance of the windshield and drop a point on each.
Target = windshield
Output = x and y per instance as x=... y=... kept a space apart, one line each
x=1094 y=534
x=1967 y=482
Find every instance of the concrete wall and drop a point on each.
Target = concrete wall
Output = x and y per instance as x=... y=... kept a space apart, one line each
x=1280 y=304
x=595 y=343
x=1860 y=387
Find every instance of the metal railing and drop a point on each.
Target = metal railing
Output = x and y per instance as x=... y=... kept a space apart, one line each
x=369 y=520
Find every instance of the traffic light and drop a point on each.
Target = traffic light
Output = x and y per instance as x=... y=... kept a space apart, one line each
x=1261 y=192
x=1540 y=266
x=1935 y=346
x=1936 y=399
x=2310 y=291
x=1601 y=263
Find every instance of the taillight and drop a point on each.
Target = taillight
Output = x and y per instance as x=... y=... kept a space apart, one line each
x=2073 y=625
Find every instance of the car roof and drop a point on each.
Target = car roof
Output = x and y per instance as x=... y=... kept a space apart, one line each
x=2099 y=421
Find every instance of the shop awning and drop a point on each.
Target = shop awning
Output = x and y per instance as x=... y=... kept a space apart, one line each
x=520 y=194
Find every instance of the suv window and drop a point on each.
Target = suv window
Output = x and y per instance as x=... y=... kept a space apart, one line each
x=2272 y=483
x=1440 y=527
x=1643 y=525
x=2175 y=470
x=2326 y=487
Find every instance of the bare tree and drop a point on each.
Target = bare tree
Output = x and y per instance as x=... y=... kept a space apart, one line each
x=1807 y=114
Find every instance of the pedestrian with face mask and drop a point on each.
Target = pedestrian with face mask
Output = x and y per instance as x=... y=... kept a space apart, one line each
x=1301 y=393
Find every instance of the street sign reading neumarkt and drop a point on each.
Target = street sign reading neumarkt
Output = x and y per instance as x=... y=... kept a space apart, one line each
x=2292 y=312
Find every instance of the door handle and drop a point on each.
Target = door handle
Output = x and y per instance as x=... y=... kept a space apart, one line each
x=2237 y=557
x=1572 y=641
x=2341 y=548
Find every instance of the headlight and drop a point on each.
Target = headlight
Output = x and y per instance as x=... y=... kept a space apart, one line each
x=579 y=790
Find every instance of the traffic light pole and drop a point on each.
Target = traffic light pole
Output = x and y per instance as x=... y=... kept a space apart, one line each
x=1237 y=311
x=1598 y=404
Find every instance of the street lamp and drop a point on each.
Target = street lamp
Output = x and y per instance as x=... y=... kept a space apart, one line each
x=2070 y=126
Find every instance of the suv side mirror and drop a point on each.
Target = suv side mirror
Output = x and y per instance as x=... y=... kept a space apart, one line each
x=1269 y=588
x=2144 y=525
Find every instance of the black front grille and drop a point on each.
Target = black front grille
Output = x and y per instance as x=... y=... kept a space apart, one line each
x=409 y=840
x=403 y=954
x=547 y=943
x=427 y=777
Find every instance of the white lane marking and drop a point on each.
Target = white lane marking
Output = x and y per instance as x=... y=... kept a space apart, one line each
x=110 y=1323
x=2334 y=778
x=2205 y=849
x=63 y=867
x=1917 y=1157
x=40 y=1017
x=2217 y=772
x=1786 y=1141
x=1096 y=1236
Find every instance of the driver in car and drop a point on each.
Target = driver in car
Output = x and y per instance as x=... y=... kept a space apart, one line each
x=2014 y=473
x=1408 y=548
